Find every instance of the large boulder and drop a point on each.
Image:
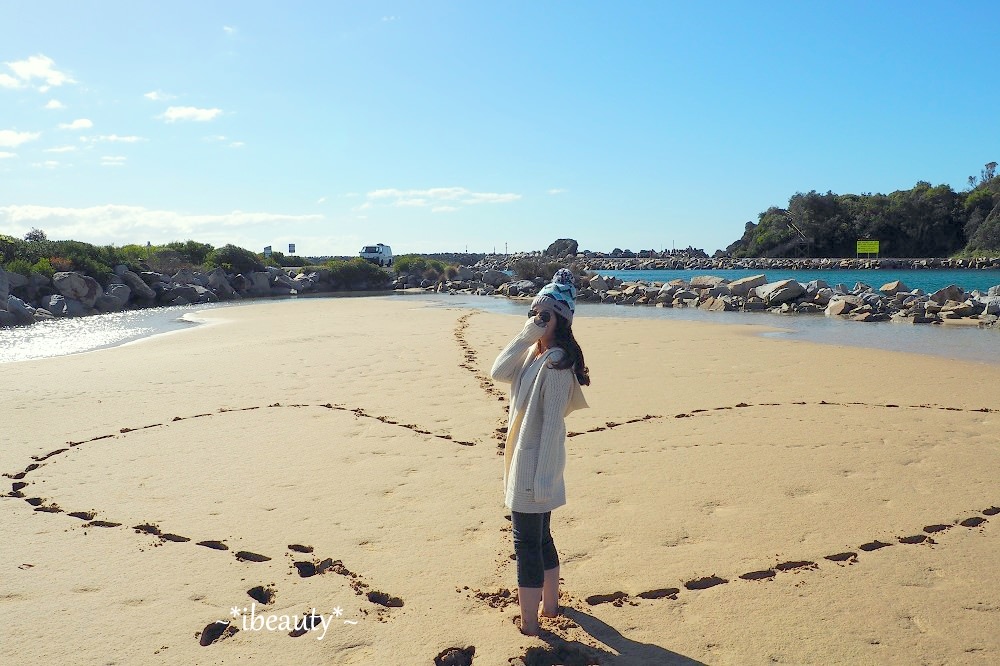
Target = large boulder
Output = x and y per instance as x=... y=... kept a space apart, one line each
x=495 y=278
x=464 y=273
x=598 y=283
x=707 y=281
x=218 y=281
x=521 y=288
x=109 y=303
x=4 y=288
x=137 y=285
x=21 y=311
x=260 y=284
x=743 y=286
x=16 y=280
x=776 y=293
x=187 y=276
x=122 y=292
x=562 y=247
x=7 y=319
x=842 y=304
x=950 y=293
x=893 y=288
x=55 y=305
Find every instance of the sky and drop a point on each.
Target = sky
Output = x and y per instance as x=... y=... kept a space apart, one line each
x=438 y=126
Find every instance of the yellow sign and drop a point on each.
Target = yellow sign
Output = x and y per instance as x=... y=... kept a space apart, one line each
x=867 y=247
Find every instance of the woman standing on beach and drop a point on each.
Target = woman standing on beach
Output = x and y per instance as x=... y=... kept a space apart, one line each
x=545 y=367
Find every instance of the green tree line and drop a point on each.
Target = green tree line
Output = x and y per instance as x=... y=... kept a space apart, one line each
x=924 y=221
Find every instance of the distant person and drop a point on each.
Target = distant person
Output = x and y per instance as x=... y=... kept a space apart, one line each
x=545 y=367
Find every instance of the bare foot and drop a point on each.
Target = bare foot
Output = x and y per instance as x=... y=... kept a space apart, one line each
x=554 y=613
x=527 y=631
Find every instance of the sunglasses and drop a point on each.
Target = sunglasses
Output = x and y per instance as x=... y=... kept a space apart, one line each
x=545 y=314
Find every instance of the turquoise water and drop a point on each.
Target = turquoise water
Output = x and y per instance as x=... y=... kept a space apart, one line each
x=928 y=280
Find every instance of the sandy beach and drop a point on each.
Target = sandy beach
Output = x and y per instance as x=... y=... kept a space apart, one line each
x=732 y=499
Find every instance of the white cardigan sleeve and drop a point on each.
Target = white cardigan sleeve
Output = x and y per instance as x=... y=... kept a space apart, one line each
x=509 y=361
x=555 y=398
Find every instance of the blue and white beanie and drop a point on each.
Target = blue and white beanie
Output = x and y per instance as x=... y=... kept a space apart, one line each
x=560 y=294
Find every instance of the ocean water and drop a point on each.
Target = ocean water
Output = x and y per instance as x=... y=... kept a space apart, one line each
x=928 y=280
x=61 y=337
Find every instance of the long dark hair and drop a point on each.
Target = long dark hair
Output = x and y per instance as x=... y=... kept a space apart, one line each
x=573 y=358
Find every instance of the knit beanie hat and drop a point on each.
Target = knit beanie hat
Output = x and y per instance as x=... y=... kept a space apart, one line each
x=560 y=294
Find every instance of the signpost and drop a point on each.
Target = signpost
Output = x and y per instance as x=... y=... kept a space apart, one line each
x=867 y=247
x=291 y=248
x=267 y=250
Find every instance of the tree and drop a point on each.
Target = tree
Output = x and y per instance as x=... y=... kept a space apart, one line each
x=35 y=236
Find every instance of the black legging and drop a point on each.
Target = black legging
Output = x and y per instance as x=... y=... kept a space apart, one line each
x=533 y=545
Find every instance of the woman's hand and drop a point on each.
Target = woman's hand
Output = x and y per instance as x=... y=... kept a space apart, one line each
x=543 y=319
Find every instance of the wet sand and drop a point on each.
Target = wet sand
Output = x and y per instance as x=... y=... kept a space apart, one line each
x=732 y=499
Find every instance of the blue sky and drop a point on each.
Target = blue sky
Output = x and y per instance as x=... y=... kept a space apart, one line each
x=446 y=126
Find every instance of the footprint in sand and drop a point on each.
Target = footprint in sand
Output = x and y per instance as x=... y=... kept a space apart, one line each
x=968 y=522
x=456 y=656
x=766 y=574
x=873 y=545
x=705 y=583
x=849 y=557
x=662 y=593
x=616 y=598
x=261 y=594
x=215 y=631
x=917 y=538
x=247 y=556
x=214 y=545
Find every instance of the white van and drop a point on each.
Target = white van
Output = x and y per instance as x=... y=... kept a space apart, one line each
x=377 y=254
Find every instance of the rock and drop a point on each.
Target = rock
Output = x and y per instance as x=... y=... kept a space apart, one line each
x=151 y=277
x=562 y=247
x=120 y=291
x=893 y=288
x=41 y=314
x=15 y=280
x=137 y=285
x=776 y=293
x=521 y=288
x=282 y=280
x=260 y=283
x=822 y=297
x=598 y=283
x=994 y=291
x=950 y=293
x=4 y=288
x=464 y=273
x=75 y=308
x=187 y=276
x=22 y=312
x=55 y=305
x=813 y=287
x=7 y=319
x=743 y=286
x=495 y=278
x=955 y=310
x=841 y=305
x=109 y=303
x=707 y=281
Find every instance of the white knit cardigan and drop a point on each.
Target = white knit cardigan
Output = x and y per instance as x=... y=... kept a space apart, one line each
x=540 y=398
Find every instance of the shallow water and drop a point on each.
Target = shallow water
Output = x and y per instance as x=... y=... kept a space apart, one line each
x=928 y=280
x=61 y=337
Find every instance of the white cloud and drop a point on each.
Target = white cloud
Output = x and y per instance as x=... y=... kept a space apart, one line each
x=229 y=30
x=8 y=81
x=134 y=224
x=12 y=139
x=453 y=196
x=444 y=209
x=112 y=138
x=175 y=113
x=5 y=155
x=321 y=200
x=159 y=96
x=54 y=104
x=60 y=149
x=47 y=164
x=388 y=19
x=38 y=67
x=113 y=160
x=79 y=123
x=557 y=190
x=237 y=144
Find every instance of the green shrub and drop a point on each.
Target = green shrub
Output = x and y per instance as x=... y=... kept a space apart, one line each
x=20 y=266
x=190 y=251
x=44 y=267
x=528 y=268
x=356 y=274
x=409 y=263
x=234 y=259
